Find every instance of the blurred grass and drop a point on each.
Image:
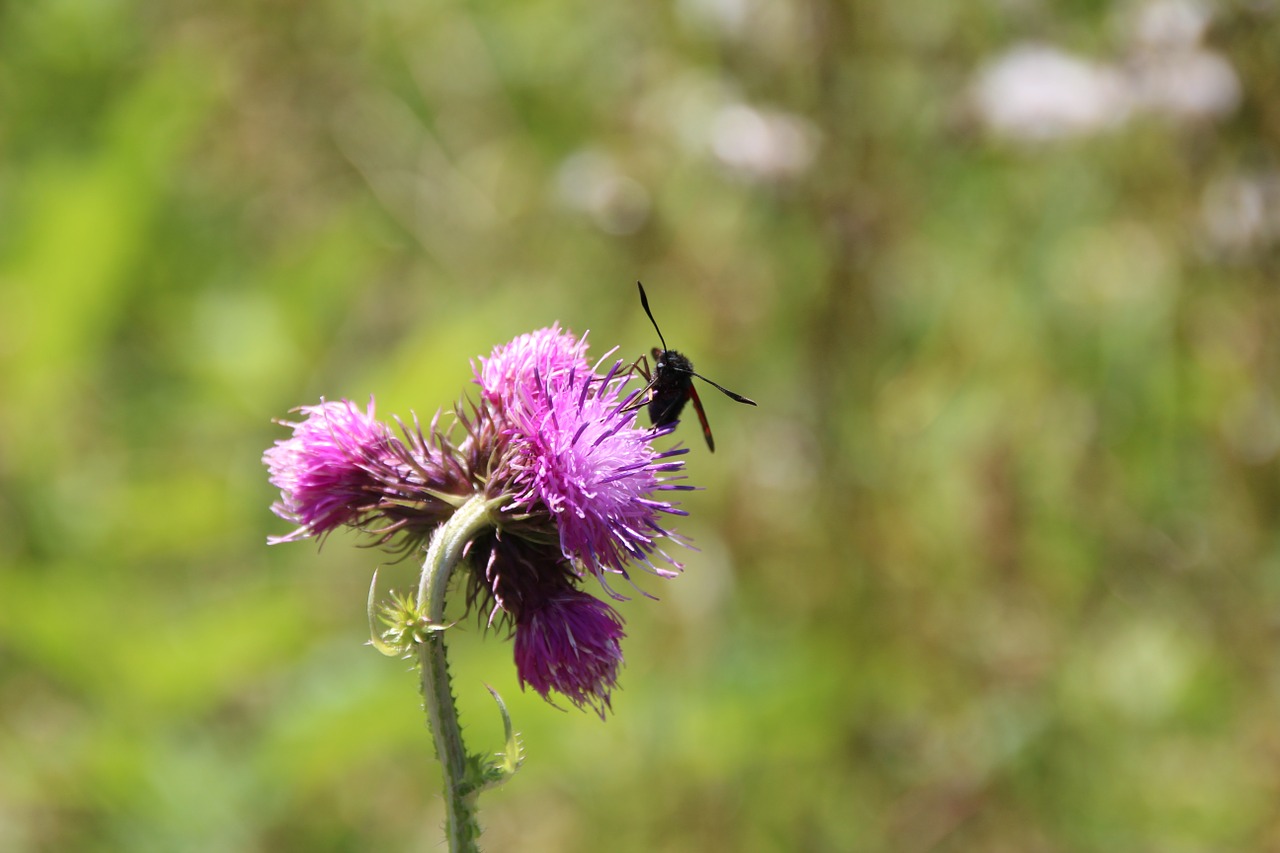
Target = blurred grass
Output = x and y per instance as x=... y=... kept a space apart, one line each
x=994 y=566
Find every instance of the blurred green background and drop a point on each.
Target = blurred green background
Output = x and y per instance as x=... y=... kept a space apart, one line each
x=994 y=566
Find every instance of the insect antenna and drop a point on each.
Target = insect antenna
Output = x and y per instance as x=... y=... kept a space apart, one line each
x=644 y=300
x=730 y=394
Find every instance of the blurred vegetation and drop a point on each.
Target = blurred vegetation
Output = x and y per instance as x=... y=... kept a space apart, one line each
x=995 y=566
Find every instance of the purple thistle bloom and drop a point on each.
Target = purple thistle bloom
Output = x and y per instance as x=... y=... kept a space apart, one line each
x=565 y=640
x=324 y=470
x=577 y=454
x=342 y=466
x=570 y=643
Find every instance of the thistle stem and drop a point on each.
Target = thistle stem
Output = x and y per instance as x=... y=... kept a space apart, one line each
x=443 y=554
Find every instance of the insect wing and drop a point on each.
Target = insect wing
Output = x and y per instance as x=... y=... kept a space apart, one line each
x=702 y=418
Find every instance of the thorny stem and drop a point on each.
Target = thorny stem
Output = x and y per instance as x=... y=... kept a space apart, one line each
x=446 y=549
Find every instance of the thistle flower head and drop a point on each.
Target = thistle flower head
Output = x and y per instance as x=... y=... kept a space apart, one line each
x=342 y=466
x=570 y=643
x=324 y=470
x=576 y=455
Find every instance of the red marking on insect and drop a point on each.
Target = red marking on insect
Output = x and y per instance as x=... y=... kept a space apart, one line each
x=671 y=383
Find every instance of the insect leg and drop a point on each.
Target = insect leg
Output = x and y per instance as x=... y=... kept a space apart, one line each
x=641 y=366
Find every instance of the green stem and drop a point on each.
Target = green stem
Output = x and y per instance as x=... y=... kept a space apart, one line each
x=445 y=551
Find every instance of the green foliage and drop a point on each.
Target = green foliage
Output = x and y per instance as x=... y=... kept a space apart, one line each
x=994 y=566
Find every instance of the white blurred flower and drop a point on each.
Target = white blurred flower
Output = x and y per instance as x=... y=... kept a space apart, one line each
x=1171 y=74
x=1035 y=92
x=590 y=182
x=762 y=144
x=1191 y=85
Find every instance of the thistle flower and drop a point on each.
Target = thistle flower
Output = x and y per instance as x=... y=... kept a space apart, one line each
x=342 y=466
x=576 y=454
x=325 y=470
x=570 y=643
x=565 y=640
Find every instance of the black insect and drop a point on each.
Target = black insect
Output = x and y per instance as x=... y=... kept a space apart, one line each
x=671 y=384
